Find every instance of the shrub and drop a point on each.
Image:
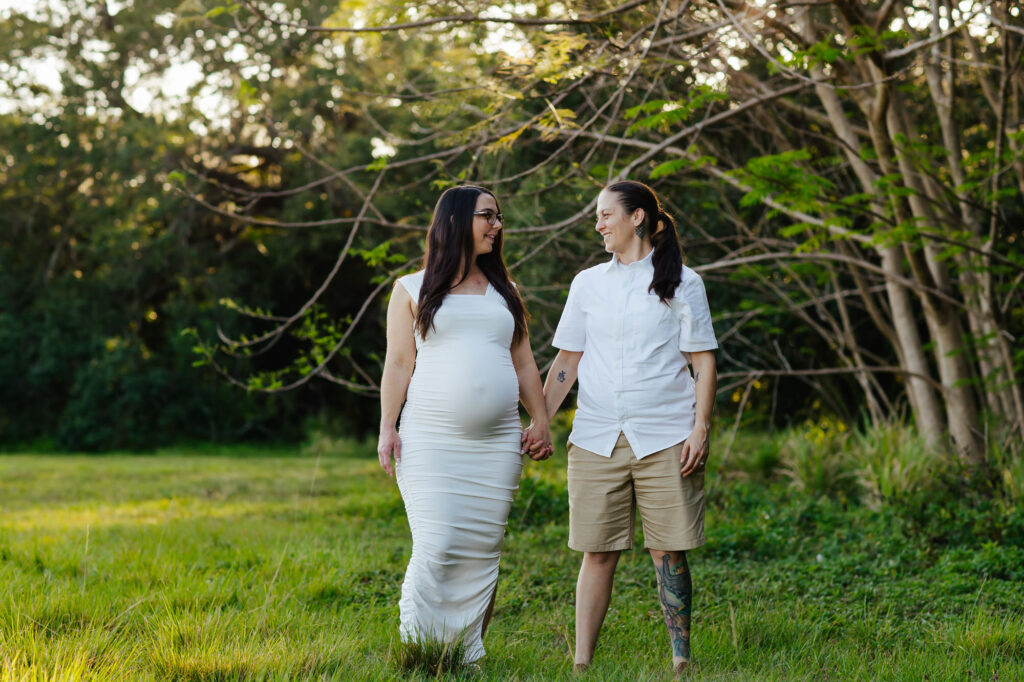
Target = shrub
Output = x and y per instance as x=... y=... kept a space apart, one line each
x=894 y=461
x=814 y=461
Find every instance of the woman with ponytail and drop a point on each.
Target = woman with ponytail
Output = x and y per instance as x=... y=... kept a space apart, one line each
x=458 y=362
x=631 y=331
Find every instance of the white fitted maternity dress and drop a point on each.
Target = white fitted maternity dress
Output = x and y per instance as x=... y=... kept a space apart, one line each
x=460 y=465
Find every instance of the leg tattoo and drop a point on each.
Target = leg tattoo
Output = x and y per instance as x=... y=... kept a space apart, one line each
x=675 y=589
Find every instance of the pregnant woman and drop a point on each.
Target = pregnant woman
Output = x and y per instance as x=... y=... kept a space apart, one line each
x=459 y=358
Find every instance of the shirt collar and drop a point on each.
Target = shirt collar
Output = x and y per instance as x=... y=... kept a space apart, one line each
x=646 y=262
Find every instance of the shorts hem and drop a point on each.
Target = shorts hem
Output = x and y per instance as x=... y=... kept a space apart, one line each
x=676 y=547
x=607 y=547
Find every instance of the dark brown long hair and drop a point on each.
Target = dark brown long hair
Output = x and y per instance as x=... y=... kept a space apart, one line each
x=661 y=229
x=449 y=245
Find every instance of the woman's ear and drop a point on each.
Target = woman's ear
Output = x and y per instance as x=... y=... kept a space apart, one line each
x=638 y=217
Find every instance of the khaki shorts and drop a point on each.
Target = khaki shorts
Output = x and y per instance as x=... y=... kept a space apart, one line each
x=605 y=492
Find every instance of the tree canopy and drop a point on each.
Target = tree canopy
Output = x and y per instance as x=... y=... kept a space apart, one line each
x=847 y=176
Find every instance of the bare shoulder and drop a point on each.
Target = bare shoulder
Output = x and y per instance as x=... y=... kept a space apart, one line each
x=401 y=300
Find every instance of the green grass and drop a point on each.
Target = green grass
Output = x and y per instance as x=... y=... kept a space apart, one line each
x=275 y=565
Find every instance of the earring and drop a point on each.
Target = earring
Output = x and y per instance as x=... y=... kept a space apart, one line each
x=640 y=230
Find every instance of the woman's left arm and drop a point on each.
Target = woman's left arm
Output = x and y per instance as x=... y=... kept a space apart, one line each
x=705 y=379
x=531 y=394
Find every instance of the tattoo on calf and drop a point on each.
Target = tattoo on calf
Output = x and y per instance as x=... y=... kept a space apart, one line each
x=561 y=376
x=675 y=589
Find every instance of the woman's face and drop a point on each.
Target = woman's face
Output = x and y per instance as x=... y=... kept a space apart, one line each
x=485 y=234
x=616 y=227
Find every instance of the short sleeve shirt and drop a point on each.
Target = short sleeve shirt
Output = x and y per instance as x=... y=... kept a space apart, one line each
x=633 y=375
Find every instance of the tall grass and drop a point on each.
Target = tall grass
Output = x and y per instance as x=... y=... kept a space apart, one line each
x=875 y=466
x=815 y=462
x=894 y=461
x=432 y=657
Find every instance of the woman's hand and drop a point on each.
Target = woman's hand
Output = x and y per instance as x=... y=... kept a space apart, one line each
x=695 y=450
x=389 y=443
x=536 y=441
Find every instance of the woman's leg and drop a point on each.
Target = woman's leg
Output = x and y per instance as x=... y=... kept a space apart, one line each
x=675 y=590
x=593 y=592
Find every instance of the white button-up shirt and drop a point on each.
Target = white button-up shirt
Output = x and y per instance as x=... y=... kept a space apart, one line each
x=633 y=374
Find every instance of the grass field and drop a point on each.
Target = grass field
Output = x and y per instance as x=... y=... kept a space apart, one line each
x=286 y=565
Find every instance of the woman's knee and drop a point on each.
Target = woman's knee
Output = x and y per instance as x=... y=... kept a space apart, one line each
x=601 y=559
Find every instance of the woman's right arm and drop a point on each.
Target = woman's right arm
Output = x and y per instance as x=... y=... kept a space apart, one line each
x=394 y=383
x=561 y=377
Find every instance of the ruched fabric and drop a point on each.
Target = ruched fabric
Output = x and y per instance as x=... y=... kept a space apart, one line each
x=460 y=466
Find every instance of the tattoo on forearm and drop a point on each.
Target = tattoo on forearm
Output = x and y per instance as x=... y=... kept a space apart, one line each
x=696 y=378
x=675 y=589
x=561 y=376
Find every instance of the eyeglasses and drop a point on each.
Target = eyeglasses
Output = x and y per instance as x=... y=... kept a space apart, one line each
x=490 y=216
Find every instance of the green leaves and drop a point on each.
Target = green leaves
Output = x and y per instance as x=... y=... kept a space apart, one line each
x=247 y=93
x=669 y=113
x=222 y=9
x=866 y=39
x=786 y=179
x=554 y=120
x=695 y=161
x=378 y=255
x=668 y=168
x=554 y=53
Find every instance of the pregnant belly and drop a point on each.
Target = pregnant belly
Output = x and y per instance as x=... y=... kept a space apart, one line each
x=486 y=399
x=473 y=398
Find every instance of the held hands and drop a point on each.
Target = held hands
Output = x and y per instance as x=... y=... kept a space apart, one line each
x=695 y=450
x=536 y=441
x=387 y=443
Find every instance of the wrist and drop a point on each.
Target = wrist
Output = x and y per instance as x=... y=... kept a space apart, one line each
x=386 y=427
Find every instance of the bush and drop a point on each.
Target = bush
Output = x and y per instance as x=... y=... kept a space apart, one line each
x=816 y=464
x=894 y=462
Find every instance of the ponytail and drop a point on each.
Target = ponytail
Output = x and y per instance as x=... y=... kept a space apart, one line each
x=667 y=257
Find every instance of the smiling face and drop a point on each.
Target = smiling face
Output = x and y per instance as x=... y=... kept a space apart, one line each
x=613 y=223
x=485 y=235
